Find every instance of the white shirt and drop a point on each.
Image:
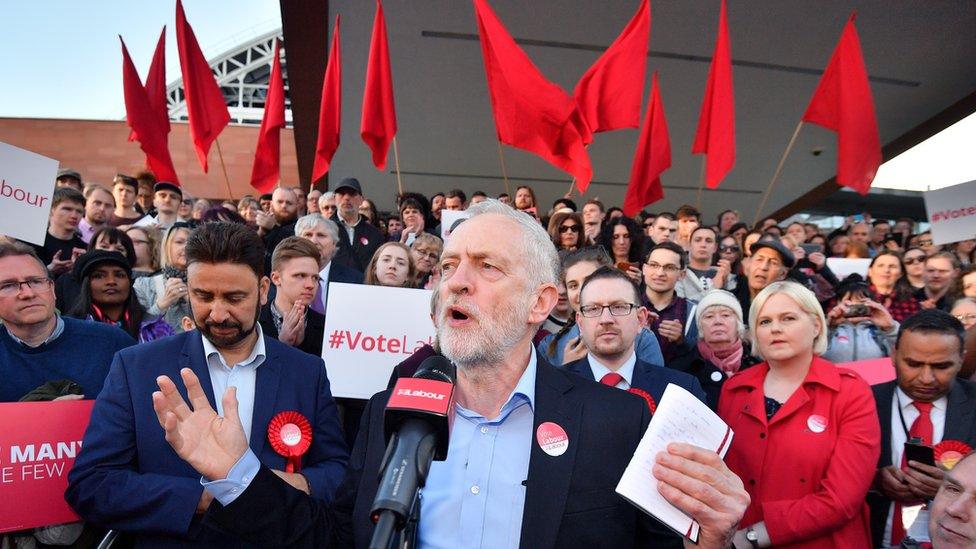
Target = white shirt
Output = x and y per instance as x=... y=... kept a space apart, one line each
x=324 y=284
x=242 y=375
x=626 y=371
x=899 y=437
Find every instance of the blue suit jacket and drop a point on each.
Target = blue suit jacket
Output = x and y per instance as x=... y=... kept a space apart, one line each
x=652 y=379
x=127 y=476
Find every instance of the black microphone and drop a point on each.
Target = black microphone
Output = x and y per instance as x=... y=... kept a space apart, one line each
x=417 y=420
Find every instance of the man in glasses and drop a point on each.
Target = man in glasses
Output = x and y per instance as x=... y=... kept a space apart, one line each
x=671 y=317
x=37 y=345
x=610 y=317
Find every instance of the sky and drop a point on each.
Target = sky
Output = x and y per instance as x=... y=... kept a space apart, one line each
x=62 y=59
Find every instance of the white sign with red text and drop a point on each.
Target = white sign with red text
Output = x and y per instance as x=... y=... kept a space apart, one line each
x=448 y=219
x=368 y=331
x=26 y=186
x=952 y=213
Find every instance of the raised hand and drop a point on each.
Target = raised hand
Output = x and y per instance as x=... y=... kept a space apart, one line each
x=209 y=443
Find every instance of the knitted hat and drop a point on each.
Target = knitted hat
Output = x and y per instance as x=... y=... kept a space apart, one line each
x=717 y=297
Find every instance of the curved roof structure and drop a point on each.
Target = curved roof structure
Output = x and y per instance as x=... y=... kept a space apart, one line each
x=242 y=74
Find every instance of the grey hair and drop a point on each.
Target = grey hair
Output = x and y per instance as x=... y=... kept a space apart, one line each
x=310 y=221
x=541 y=258
x=740 y=327
x=327 y=195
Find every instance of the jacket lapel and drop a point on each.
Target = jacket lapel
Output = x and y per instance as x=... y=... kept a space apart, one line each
x=194 y=359
x=549 y=477
x=883 y=396
x=959 y=415
x=582 y=368
x=265 y=396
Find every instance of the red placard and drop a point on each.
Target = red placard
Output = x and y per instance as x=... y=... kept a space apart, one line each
x=875 y=371
x=38 y=445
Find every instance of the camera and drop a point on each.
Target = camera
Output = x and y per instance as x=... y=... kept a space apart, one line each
x=857 y=309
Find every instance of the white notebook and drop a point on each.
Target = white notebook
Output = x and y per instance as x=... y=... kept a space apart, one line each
x=680 y=417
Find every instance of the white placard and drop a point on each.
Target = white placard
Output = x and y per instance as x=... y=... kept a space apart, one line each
x=843 y=267
x=952 y=213
x=368 y=331
x=448 y=219
x=26 y=186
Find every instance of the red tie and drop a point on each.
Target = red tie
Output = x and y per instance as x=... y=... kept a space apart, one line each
x=612 y=379
x=921 y=428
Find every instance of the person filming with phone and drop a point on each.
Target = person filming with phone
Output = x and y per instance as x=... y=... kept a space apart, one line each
x=924 y=406
x=860 y=328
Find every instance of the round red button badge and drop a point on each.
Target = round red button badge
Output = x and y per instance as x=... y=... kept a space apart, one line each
x=817 y=423
x=552 y=438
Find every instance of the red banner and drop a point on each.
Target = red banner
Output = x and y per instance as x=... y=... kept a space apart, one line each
x=38 y=445
x=875 y=371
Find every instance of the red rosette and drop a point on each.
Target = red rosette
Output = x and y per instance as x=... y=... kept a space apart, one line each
x=290 y=434
x=646 y=396
x=949 y=452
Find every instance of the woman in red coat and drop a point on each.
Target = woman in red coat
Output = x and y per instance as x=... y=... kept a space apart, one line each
x=807 y=436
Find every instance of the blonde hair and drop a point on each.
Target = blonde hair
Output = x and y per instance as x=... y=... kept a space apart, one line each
x=803 y=297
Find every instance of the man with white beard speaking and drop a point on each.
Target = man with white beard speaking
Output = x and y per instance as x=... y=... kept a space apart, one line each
x=503 y=483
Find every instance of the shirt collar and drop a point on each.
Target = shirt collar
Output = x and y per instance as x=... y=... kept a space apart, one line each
x=58 y=330
x=359 y=218
x=821 y=372
x=256 y=357
x=524 y=391
x=626 y=371
x=905 y=402
x=324 y=273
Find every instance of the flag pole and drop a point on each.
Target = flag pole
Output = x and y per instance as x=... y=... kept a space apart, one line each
x=396 y=163
x=779 y=168
x=501 y=159
x=572 y=185
x=220 y=154
x=701 y=182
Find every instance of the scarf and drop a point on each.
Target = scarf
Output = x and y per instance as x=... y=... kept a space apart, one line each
x=729 y=364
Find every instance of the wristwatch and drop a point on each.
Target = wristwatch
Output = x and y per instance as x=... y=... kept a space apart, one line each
x=752 y=537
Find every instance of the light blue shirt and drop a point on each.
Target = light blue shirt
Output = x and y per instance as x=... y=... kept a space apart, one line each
x=626 y=370
x=58 y=330
x=242 y=375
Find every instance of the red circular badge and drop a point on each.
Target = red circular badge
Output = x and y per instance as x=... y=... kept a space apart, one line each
x=552 y=438
x=949 y=452
x=817 y=423
x=646 y=396
x=290 y=434
x=364 y=241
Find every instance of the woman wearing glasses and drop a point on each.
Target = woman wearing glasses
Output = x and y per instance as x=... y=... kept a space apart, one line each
x=729 y=250
x=889 y=287
x=566 y=231
x=914 y=262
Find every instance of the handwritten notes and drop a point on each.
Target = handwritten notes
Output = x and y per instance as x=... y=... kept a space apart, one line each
x=680 y=417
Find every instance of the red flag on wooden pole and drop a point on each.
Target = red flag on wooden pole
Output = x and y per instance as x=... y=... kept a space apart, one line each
x=843 y=103
x=329 y=110
x=716 y=124
x=144 y=123
x=652 y=157
x=609 y=94
x=379 y=124
x=266 y=170
x=531 y=113
x=205 y=104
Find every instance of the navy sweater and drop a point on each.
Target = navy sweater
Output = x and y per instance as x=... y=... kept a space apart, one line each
x=82 y=353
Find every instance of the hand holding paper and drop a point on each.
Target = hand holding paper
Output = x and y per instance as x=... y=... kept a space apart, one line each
x=677 y=478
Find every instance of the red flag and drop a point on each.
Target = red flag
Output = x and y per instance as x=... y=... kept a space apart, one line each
x=379 y=124
x=143 y=121
x=267 y=158
x=531 y=113
x=156 y=85
x=716 y=124
x=843 y=103
x=652 y=157
x=609 y=94
x=205 y=104
x=329 y=111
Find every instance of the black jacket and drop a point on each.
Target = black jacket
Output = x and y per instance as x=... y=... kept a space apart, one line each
x=357 y=253
x=709 y=375
x=314 y=328
x=569 y=500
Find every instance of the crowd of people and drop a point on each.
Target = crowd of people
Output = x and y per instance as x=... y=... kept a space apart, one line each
x=544 y=311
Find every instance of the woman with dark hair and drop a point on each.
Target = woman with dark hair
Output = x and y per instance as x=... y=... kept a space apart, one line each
x=730 y=250
x=566 y=231
x=217 y=214
x=67 y=287
x=623 y=240
x=415 y=214
x=368 y=210
x=914 y=262
x=889 y=287
x=106 y=296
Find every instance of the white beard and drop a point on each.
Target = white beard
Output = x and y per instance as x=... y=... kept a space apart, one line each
x=487 y=343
